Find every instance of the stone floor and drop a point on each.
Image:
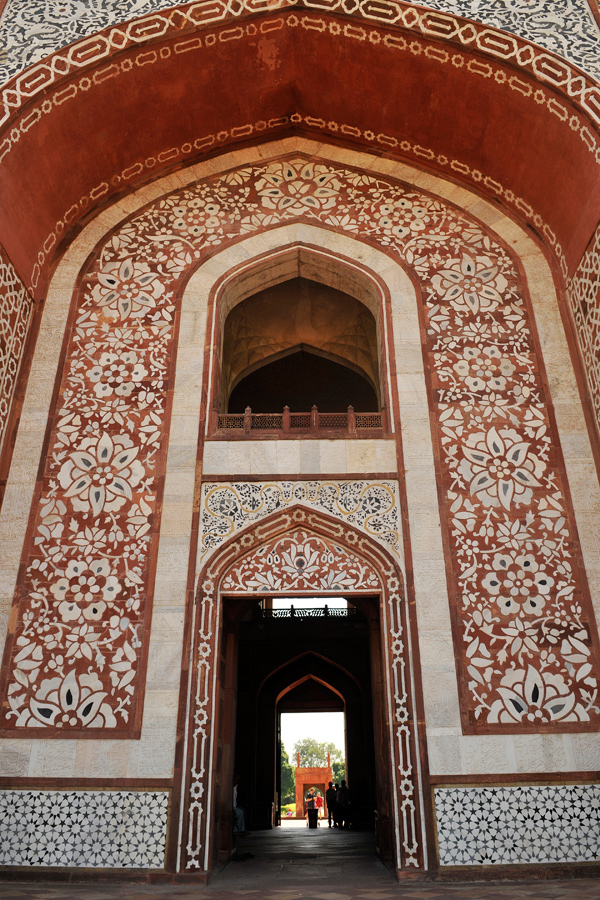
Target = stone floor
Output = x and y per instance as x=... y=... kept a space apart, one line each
x=295 y=863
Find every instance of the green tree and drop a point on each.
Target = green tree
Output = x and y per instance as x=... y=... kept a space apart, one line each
x=339 y=771
x=288 y=784
x=314 y=753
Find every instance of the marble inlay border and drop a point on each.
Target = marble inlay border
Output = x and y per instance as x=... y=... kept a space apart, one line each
x=16 y=310
x=347 y=543
x=33 y=29
x=583 y=293
x=195 y=17
x=557 y=75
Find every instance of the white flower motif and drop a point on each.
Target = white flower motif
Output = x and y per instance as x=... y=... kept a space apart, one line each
x=500 y=467
x=128 y=289
x=300 y=561
x=518 y=582
x=74 y=700
x=264 y=581
x=527 y=695
x=116 y=374
x=298 y=187
x=85 y=589
x=471 y=284
x=101 y=475
x=484 y=368
x=524 y=637
x=81 y=642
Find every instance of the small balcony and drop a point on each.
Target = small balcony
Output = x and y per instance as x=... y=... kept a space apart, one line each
x=301 y=424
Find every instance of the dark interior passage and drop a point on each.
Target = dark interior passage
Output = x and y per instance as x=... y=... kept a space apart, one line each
x=301 y=380
x=311 y=664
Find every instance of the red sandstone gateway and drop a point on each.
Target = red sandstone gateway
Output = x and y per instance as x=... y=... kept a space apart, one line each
x=337 y=348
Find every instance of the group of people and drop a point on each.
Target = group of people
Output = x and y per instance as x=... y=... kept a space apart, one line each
x=337 y=798
x=338 y=805
x=314 y=800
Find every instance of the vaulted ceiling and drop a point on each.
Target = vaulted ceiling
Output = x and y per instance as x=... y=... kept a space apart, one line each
x=480 y=107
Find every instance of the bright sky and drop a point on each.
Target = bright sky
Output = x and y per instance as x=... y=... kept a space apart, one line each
x=323 y=727
x=309 y=602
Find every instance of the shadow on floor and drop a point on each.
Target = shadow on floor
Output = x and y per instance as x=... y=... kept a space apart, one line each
x=296 y=863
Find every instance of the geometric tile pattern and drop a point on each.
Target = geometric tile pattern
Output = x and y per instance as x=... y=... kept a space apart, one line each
x=371 y=506
x=490 y=826
x=583 y=294
x=33 y=29
x=288 y=540
x=16 y=308
x=90 y=829
x=524 y=627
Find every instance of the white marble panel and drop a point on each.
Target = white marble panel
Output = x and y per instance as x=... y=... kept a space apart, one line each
x=528 y=824
x=84 y=829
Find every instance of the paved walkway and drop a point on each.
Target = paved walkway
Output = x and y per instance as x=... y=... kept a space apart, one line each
x=295 y=863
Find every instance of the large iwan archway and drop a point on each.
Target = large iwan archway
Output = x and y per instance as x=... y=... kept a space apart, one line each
x=469 y=461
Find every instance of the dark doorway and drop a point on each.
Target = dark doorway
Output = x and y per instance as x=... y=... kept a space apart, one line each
x=301 y=380
x=306 y=663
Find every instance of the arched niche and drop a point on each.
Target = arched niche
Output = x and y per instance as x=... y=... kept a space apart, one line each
x=178 y=506
x=299 y=343
x=299 y=299
x=310 y=694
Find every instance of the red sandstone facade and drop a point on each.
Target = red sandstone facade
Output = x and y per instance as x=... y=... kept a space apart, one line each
x=456 y=231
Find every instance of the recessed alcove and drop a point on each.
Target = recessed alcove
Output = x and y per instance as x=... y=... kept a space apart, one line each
x=300 y=343
x=300 y=380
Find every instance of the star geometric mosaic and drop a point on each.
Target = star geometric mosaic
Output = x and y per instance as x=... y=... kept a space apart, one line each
x=90 y=829
x=492 y=826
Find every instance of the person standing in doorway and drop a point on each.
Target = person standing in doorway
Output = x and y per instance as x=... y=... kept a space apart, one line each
x=343 y=806
x=330 y=801
x=310 y=801
x=239 y=813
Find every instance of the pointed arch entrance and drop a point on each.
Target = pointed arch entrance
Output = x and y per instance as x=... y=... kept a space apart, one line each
x=294 y=552
x=336 y=680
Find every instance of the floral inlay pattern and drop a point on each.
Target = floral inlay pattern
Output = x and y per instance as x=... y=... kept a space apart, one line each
x=16 y=309
x=301 y=562
x=372 y=506
x=88 y=829
x=524 y=629
x=517 y=825
x=584 y=299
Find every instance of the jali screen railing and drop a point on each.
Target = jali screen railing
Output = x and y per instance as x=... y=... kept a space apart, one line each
x=295 y=422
